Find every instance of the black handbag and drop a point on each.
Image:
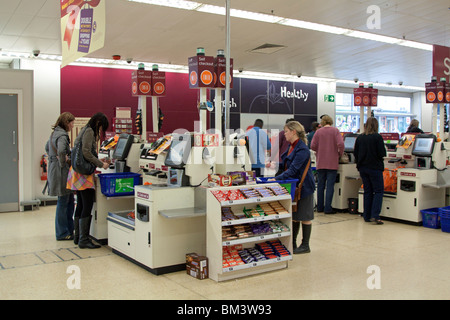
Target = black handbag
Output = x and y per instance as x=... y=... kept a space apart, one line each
x=79 y=163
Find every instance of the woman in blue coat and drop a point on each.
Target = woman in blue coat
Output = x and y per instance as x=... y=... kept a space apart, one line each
x=294 y=162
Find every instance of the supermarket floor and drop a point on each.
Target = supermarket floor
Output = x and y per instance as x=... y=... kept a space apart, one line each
x=350 y=259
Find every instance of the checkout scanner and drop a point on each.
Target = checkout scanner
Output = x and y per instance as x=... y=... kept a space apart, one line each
x=418 y=167
x=348 y=180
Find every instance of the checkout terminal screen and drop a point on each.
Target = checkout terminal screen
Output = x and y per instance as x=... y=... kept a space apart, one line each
x=178 y=152
x=423 y=146
x=120 y=149
x=349 y=144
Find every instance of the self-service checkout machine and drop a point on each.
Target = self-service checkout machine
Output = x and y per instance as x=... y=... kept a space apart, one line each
x=419 y=163
x=348 y=180
x=170 y=207
x=171 y=216
x=124 y=159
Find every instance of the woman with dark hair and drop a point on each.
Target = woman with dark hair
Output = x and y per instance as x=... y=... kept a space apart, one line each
x=58 y=150
x=84 y=184
x=369 y=153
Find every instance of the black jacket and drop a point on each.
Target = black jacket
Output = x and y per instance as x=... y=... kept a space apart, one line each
x=369 y=151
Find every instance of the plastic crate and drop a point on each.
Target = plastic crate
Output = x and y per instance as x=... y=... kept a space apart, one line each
x=444 y=215
x=430 y=218
x=290 y=185
x=118 y=184
x=444 y=211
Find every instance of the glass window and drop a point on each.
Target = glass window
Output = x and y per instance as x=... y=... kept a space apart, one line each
x=393 y=113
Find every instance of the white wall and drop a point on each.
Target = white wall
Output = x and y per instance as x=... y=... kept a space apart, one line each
x=47 y=106
x=323 y=107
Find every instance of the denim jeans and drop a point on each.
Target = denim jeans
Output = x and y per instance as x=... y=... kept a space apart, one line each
x=373 y=192
x=64 y=216
x=326 y=180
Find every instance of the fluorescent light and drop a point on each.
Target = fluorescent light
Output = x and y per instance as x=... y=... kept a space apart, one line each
x=179 y=4
x=372 y=36
x=312 y=26
x=207 y=8
x=262 y=17
x=417 y=45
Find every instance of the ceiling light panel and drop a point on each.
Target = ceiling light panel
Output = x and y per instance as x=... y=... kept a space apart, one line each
x=179 y=4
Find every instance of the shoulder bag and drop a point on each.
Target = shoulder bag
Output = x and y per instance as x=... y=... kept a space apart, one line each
x=298 y=191
x=79 y=163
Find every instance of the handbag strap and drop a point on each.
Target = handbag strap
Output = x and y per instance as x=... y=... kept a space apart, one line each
x=305 y=172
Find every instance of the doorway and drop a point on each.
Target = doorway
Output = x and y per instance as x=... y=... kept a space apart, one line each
x=9 y=154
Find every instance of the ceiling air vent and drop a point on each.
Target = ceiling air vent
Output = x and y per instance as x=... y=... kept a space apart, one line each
x=267 y=48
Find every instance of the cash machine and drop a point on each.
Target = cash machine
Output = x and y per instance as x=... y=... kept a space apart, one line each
x=419 y=164
x=348 y=180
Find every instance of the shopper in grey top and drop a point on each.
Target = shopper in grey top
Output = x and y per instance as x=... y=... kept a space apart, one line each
x=58 y=150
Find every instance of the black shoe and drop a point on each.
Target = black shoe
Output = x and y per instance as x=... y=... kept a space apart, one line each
x=331 y=212
x=302 y=249
x=379 y=221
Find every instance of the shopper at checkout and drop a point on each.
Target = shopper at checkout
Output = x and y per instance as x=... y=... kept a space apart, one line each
x=329 y=147
x=58 y=150
x=414 y=127
x=259 y=144
x=84 y=184
x=369 y=153
x=295 y=161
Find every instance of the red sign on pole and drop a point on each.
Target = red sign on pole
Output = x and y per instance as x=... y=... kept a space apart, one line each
x=201 y=72
x=441 y=62
x=365 y=97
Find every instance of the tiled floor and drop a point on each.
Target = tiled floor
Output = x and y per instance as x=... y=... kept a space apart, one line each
x=410 y=262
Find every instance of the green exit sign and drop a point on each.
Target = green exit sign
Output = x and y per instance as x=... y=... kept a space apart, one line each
x=328 y=98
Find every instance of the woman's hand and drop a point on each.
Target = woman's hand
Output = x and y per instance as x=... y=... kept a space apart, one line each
x=106 y=163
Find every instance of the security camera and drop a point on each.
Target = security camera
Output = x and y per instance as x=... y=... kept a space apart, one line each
x=299 y=75
x=400 y=83
x=36 y=53
x=356 y=80
x=129 y=60
x=240 y=70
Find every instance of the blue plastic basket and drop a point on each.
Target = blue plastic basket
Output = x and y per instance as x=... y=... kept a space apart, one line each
x=290 y=185
x=430 y=218
x=444 y=215
x=118 y=184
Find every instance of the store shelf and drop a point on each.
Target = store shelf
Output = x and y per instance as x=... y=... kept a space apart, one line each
x=217 y=245
x=255 y=219
x=255 y=200
x=257 y=264
x=257 y=238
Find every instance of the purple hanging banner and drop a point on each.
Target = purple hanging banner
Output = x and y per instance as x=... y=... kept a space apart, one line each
x=86 y=18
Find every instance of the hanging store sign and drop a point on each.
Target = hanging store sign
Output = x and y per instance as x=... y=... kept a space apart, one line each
x=82 y=28
x=365 y=97
x=201 y=72
x=441 y=62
